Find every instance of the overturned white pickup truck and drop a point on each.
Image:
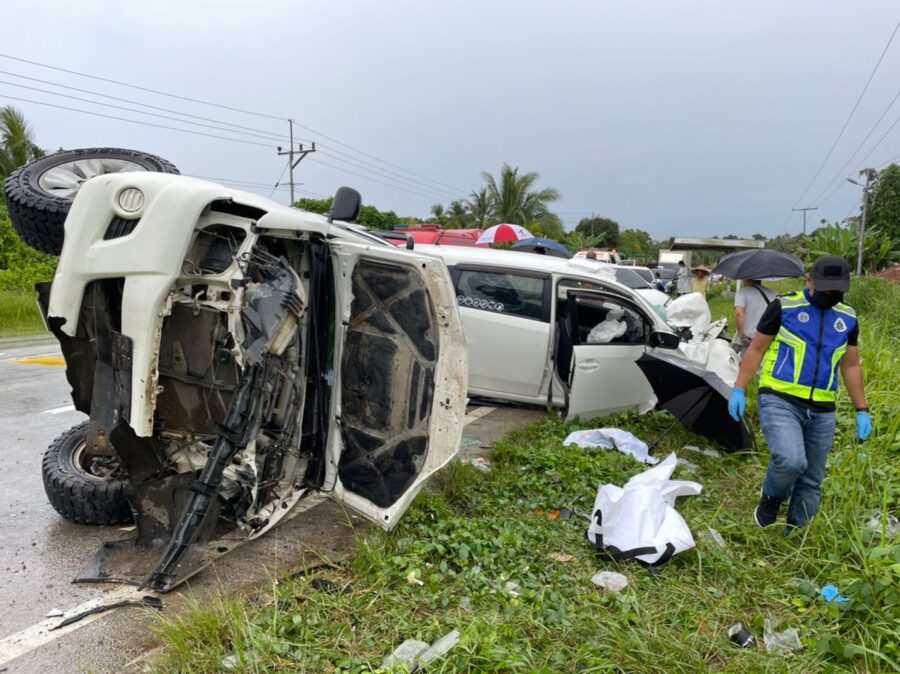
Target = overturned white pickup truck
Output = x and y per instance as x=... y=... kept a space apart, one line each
x=234 y=355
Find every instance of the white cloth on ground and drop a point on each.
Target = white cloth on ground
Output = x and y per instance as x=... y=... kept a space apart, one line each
x=612 y=438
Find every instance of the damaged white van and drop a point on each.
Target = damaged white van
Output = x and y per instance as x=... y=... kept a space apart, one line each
x=234 y=355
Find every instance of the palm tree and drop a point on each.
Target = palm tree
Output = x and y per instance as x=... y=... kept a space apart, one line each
x=479 y=205
x=17 y=144
x=457 y=216
x=513 y=198
x=437 y=211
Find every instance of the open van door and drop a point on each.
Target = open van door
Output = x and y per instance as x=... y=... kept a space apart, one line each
x=400 y=378
x=602 y=376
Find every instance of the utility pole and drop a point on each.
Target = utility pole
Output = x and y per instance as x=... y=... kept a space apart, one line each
x=807 y=208
x=862 y=222
x=299 y=153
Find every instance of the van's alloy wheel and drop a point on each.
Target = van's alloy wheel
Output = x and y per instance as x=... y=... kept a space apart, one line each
x=82 y=488
x=40 y=193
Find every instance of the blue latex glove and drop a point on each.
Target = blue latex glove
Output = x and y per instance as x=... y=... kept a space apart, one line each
x=863 y=425
x=736 y=403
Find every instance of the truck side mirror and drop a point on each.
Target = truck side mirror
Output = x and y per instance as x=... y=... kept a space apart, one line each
x=346 y=205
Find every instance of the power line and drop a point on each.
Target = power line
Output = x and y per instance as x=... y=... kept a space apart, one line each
x=144 y=105
x=840 y=172
x=135 y=121
x=139 y=112
x=200 y=133
x=436 y=192
x=850 y=116
x=223 y=107
x=397 y=187
x=139 y=88
x=863 y=160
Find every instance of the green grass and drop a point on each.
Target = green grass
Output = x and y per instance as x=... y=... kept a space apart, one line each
x=19 y=313
x=474 y=532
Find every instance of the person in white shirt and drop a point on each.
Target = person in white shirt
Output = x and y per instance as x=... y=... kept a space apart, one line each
x=683 y=278
x=750 y=301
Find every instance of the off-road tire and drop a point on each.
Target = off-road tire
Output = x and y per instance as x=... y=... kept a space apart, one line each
x=76 y=495
x=37 y=215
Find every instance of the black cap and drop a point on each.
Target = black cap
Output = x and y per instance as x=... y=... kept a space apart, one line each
x=830 y=272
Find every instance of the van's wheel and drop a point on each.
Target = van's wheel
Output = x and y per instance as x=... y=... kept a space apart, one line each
x=40 y=193
x=82 y=488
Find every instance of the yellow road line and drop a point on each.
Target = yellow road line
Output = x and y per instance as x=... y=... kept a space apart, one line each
x=39 y=360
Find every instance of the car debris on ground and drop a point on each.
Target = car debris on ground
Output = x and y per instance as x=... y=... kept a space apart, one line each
x=740 y=636
x=784 y=642
x=416 y=654
x=610 y=580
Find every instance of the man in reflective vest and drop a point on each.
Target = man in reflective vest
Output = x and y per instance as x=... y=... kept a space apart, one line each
x=803 y=341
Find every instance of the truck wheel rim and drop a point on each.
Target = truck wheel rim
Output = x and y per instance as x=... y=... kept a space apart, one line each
x=64 y=180
x=99 y=468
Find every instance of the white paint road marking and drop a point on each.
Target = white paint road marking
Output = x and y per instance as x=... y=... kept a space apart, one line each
x=60 y=410
x=40 y=634
x=477 y=413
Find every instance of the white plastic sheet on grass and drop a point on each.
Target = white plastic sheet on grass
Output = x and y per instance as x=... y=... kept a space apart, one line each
x=639 y=520
x=612 y=438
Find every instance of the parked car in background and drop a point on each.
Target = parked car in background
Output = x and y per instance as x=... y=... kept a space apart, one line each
x=554 y=332
x=631 y=277
x=233 y=355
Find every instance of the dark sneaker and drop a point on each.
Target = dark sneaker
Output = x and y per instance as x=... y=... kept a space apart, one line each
x=766 y=511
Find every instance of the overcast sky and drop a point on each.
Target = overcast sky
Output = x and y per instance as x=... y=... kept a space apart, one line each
x=689 y=118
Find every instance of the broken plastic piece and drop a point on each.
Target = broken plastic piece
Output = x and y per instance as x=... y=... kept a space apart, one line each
x=512 y=588
x=54 y=613
x=148 y=600
x=481 y=464
x=414 y=654
x=740 y=636
x=706 y=451
x=612 y=581
x=830 y=593
x=329 y=586
x=687 y=465
x=890 y=523
x=716 y=537
x=563 y=558
x=787 y=641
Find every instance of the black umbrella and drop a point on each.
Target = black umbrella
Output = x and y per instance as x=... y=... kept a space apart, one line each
x=696 y=397
x=759 y=263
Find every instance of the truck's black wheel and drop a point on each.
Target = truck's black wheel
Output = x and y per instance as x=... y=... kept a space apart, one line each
x=82 y=488
x=40 y=193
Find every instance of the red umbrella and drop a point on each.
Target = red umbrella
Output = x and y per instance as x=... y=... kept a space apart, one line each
x=504 y=232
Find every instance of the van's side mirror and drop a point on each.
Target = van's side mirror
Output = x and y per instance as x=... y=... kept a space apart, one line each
x=346 y=205
x=664 y=340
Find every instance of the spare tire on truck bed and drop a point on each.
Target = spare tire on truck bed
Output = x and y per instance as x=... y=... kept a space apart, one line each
x=40 y=193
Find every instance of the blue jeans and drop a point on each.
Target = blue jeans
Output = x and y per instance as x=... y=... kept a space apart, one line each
x=799 y=440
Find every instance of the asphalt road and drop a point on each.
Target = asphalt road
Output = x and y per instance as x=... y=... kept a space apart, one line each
x=40 y=552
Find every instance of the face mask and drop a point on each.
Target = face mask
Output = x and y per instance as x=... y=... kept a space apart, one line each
x=827 y=299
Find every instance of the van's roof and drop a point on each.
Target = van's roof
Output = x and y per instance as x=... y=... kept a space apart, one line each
x=453 y=255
